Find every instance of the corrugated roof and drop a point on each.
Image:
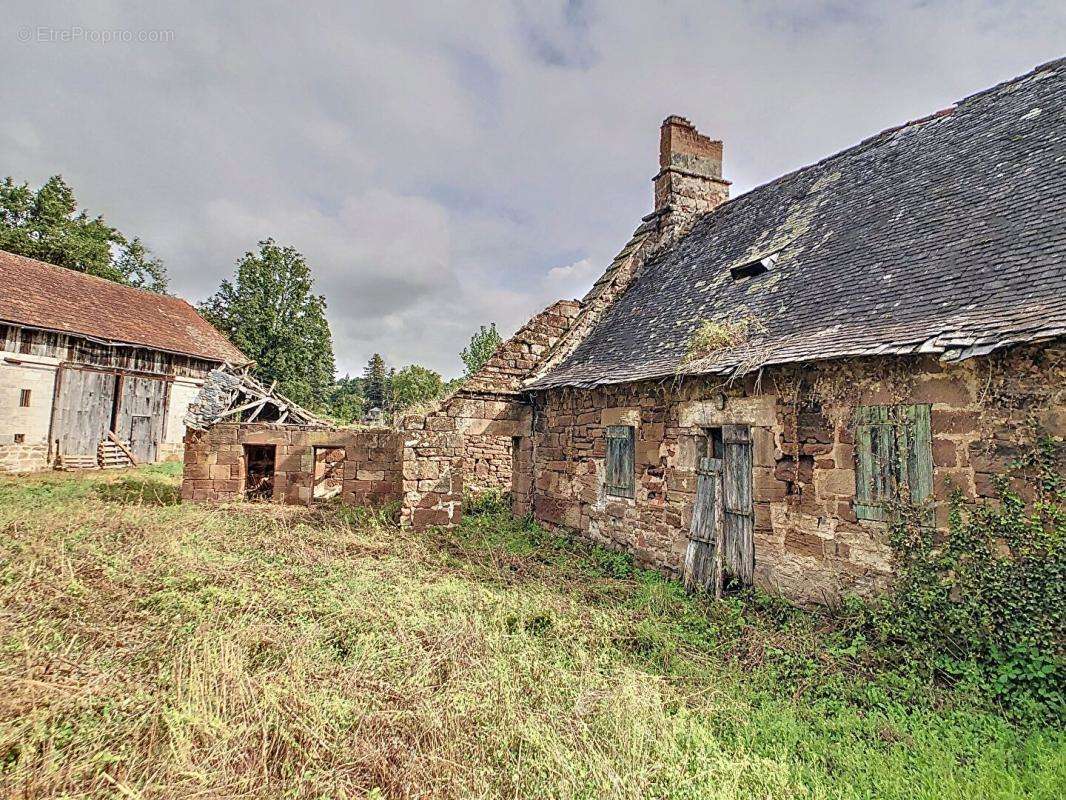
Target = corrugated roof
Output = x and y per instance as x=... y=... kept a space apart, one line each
x=945 y=235
x=40 y=295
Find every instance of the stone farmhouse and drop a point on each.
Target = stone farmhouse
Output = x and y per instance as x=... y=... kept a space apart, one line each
x=757 y=386
x=93 y=373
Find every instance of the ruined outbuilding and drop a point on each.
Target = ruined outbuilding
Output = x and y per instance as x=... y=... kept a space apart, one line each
x=755 y=388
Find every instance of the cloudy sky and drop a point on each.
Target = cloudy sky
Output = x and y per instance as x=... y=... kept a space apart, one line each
x=446 y=164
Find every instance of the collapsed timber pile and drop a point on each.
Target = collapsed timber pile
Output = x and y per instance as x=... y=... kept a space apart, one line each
x=230 y=394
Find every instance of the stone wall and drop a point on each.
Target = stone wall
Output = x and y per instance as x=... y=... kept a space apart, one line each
x=489 y=415
x=216 y=464
x=809 y=545
x=432 y=479
x=486 y=429
x=24 y=429
x=515 y=359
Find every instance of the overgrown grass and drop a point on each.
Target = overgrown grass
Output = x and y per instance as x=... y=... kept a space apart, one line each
x=152 y=649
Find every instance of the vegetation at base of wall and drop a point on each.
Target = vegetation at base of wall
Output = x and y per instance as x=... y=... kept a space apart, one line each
x=492 y=501
x=46 y=224
x=155 y=649
x=985 y=607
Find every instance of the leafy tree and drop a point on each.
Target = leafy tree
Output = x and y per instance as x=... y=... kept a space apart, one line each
x=345 y=401
x=415 y=385
x=482 y=345
x=271 y=314
x=375 y=380
x=46 y=224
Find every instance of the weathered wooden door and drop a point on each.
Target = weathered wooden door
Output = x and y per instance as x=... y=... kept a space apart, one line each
x=723 y=498
x=141 y=415
x=739 y=523
x=82 y=414
x=140 y=438
x=703 y=533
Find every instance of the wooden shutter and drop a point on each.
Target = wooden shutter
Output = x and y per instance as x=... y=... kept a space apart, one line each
x=916 y=452
x=872 y=429
x=619 y=479
x=893 y=450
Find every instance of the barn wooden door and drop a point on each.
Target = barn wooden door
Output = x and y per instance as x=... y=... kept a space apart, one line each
x=723 y=511
x=141 y=416
x=82 y=413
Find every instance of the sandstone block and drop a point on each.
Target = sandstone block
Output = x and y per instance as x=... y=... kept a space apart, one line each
x=953 y=421
x=945 y=453
x=953 y=391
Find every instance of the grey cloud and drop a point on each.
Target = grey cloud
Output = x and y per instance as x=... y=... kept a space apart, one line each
x=444 y=165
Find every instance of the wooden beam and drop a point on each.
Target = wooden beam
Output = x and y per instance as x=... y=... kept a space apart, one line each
x=258 y=409
x=245 y=407
x=111 y=435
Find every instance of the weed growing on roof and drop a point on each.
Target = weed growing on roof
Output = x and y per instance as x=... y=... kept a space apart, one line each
x=713 y=336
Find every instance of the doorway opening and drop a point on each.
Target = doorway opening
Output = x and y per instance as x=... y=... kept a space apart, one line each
x=329 y=473
x=723 y=514
x=259 y=460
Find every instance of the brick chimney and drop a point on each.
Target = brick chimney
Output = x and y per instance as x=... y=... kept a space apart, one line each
x=690 y=181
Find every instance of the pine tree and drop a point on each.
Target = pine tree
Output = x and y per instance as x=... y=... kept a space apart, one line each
x=375 y=378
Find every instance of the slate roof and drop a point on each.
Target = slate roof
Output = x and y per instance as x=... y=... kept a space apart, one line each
x=40 y=295
x=945 y=235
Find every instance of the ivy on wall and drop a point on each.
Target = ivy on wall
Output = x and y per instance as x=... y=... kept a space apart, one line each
x=985 y=604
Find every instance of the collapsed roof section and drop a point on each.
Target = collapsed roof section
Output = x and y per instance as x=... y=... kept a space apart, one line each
x=230 y=394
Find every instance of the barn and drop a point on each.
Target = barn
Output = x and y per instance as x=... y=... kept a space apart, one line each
x=94 y=373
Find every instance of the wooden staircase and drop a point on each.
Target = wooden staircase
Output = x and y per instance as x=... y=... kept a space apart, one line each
x=111 y=453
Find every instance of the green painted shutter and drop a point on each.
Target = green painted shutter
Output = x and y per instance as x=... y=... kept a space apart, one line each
x=893 y=449
x=920 y=455
x=873 y=440
x=916 y=455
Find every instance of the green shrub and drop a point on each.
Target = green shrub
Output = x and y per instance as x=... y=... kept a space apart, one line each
x=492 y=501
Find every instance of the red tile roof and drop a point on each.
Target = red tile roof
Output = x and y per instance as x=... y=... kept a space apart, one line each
x=40 y=295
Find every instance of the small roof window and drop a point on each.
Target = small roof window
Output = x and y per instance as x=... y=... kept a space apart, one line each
x=750 y=269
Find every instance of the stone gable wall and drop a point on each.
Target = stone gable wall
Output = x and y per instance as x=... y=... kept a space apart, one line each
x=515 y=359
x=809 y=545
x=489 y=417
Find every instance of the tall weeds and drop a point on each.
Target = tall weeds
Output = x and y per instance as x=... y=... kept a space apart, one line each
x=156 y=650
